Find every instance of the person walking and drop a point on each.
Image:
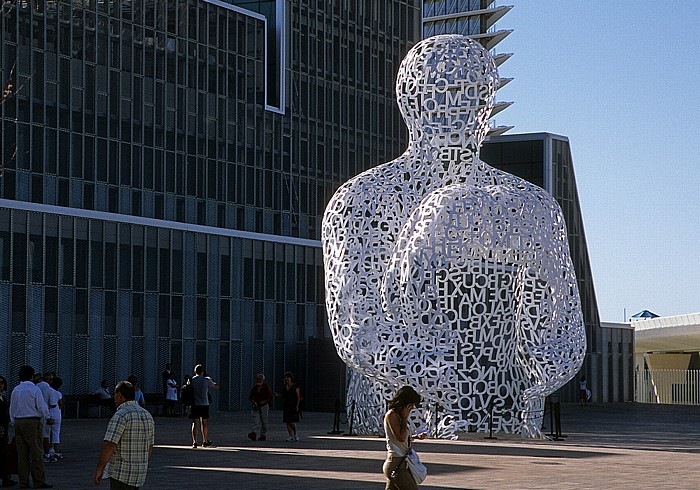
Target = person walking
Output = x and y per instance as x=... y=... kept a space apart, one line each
x=398 y=439
x=44 y=386
x=291 y=396
x=583 y=391
x=171 y=396
x=6 y=481
x=199 y=411
x=260 y=397
x=55 y=411
x=128 y=442
x=27 y=410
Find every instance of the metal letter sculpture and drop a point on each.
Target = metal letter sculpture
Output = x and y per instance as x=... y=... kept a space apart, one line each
x=446 y=274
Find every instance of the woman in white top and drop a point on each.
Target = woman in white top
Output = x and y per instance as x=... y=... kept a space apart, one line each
x=398 y=439
x=55 y=407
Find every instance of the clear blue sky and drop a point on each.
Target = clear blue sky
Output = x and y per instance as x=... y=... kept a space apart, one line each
x=622 y=80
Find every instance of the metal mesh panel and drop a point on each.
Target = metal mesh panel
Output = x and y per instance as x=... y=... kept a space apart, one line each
x=188 y=356
x=109 y=360
x=176 y=359
x=224 y=373
x=50 y=354
x=137 y=358
x=80 y=364
x=5 y=330
x=280 y=366
x=95 y=329
x=124 y=340
x=164 y=353
x=18 y=350
x=300 y=362
x=65 y=311
x=236 y=394
x=200 y=352
x=35 y=327
x=258 y=360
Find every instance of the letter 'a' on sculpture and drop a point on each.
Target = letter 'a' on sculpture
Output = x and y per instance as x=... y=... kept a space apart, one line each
x=446 y=274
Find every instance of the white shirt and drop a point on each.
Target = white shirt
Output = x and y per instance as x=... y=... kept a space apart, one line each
x=56 y=411
x=26 y=401
x=172 y=390
x=45 y=390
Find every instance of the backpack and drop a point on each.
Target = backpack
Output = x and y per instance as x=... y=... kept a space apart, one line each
x=187 y=395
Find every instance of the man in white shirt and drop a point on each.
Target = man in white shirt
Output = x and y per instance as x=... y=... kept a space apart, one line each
x=27 y=410
x=47 y=392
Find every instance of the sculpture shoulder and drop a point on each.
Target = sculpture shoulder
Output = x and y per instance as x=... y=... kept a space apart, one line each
x=367 y=188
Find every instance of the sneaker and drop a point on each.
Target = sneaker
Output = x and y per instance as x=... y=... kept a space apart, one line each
x=206 y=444
x=58 y=456
x=262 y=438
x=252 y=436
x=296 y=438
x=195 y=445
x=54 y=459
x=290 y=439
x=47 y=458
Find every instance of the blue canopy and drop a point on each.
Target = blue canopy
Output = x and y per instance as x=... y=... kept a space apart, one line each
x=645 y=314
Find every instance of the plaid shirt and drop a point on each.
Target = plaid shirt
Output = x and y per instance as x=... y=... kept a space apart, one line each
x=132 y=430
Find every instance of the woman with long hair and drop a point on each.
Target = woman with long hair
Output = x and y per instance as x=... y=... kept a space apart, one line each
x=398 y=439
x=291 y=395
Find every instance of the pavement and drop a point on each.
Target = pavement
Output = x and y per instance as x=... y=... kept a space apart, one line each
x=607 y=446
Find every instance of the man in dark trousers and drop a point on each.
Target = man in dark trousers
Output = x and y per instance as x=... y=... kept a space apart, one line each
x=199 y=412
x=260 y=397
x=27 y=410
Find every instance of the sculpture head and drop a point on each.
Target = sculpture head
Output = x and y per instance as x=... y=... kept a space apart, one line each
x=445 y=89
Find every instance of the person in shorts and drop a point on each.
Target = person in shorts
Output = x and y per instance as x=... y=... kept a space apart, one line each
x=199 y=411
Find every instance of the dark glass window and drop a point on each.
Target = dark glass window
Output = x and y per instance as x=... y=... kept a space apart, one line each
x=110 y=265
x=201 y=319
x=164 y=316
x=19 y=258
x=202 y=272
x=137 y=267
x=51 y=310
x=164 y=270
x=137 y=314
x=225 y=318
x=36 y=258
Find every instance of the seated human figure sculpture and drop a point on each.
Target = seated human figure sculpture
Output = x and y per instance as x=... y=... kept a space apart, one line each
x=446 y=274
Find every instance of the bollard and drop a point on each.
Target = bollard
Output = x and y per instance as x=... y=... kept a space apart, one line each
x=490 y=436
x=437 y=408
x=352 y=418
x=336 y=419
x=557 y=421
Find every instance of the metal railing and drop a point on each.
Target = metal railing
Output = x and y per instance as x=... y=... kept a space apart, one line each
x=672 y=386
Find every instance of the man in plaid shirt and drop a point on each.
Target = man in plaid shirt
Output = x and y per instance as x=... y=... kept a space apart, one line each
x=127 y=442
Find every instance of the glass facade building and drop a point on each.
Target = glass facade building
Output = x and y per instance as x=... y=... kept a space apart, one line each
x=165 y=170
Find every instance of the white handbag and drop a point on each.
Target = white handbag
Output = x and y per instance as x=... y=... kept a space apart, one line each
x=415 y=467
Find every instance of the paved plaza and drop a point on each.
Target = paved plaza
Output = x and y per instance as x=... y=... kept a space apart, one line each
x=607 y=446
